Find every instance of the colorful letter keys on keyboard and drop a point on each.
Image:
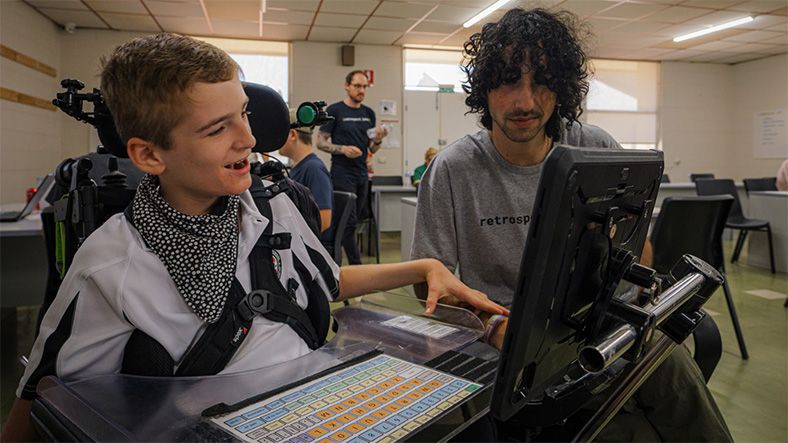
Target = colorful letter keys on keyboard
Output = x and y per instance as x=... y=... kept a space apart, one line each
x=379 y=400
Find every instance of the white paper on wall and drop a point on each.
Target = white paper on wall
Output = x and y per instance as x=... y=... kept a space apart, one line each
x=395 y=132
x=770 y=138
x=388 y=107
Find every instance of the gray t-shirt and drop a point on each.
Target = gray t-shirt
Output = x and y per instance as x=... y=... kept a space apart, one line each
x=474 y=208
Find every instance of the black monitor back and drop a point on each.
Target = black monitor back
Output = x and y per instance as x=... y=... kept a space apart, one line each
x=589 y=201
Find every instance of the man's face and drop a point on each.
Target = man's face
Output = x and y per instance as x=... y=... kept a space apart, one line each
x=521 y=110
x=210 y=146
x=357 y=88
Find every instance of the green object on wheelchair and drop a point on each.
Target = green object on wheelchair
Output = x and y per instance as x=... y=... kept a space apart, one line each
x=60 y=248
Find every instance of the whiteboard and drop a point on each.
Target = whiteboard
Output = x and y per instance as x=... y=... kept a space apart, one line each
x=770 y=139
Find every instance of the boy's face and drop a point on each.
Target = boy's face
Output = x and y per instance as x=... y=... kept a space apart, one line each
x=210 y=146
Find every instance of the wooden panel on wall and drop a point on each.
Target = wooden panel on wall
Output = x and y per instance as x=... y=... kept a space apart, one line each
x=18 y=97
x=28 y=61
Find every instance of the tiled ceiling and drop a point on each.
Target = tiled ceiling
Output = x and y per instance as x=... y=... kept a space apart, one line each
x=623 y=29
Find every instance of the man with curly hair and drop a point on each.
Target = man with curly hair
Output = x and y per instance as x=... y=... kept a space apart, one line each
x=527 y=78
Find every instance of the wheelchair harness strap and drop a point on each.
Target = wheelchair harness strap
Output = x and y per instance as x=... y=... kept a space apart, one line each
x=268 y=298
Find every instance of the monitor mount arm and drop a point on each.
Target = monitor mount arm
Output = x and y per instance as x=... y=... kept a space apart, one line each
x=629 y=328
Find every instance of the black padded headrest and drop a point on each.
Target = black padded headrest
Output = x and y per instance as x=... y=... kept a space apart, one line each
x=270 y=118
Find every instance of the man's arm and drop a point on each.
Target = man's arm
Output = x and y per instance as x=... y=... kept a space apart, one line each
x=324 y=144
x=325 y=219
x=18 y=426
x=380 y=134
x=358 y=280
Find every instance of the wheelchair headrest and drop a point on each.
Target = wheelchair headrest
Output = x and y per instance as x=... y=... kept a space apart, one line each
x=270 y=118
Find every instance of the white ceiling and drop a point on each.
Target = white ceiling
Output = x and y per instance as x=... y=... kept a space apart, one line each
x=623 y=29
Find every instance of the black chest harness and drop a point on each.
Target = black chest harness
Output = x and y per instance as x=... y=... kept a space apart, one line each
x=269 y=298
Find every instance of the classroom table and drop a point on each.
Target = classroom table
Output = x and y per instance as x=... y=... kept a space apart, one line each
x=771 y=206
x=23 y=261
x=408 y=208
x=386 y=207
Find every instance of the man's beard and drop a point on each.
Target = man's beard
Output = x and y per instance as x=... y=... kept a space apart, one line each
x=519 y=135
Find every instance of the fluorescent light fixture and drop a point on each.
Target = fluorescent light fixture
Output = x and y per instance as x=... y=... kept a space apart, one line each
x=487 y=11
x=737 y=22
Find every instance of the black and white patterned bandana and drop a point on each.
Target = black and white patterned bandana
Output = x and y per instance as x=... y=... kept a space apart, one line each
x=199 y=251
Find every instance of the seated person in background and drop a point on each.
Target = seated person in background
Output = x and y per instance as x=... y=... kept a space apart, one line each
x=309 y=170
x=527 y=77
x=782 y=177
x=166 y=268
x=415 y=179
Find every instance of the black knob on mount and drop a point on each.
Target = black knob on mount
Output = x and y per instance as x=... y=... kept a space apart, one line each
x=114 y=178
x=640 y=275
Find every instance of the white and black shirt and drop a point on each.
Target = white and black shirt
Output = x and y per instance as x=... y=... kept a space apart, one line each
x=116 y=284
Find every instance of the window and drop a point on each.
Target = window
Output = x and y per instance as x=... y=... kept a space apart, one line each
x=622 y=99
x=426 y=69
x=261 y=62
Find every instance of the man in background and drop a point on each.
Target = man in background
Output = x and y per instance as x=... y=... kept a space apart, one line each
x=309 y=170
x=348 y=138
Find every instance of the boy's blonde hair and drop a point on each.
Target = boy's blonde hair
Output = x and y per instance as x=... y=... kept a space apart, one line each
x=145 y=82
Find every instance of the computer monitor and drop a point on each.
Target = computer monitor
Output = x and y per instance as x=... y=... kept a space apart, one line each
x=591 y=205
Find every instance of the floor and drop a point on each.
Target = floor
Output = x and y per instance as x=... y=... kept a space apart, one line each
x=752 y=394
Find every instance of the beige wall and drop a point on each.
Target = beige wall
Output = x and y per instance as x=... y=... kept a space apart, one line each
x=81 y=55
x=707 y=115
x=29 y=136
x=706 y=109
x=317 y=74
x=695 y=118
x=761 y=85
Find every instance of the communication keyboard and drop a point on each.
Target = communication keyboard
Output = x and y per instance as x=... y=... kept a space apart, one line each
x=383 y=399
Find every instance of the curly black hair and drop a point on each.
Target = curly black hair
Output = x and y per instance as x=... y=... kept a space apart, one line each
x=552 y=43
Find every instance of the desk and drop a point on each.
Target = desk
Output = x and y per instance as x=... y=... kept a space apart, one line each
x=386 y=204
x=771 y=206
x=688 y=190
x=118 y=407
x=408 y=213
x=23 y=262
x=386 y=207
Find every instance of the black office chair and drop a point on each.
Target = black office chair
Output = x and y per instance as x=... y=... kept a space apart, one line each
x=386 y=180
x=343 y=205
x=702 y=176
x=736 y=218
x=760 y=184
x=694 y=225
x=665 y=179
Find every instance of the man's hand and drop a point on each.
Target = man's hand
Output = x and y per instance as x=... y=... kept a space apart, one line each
x=380 y=133
x=351 y=151
x=443 y=284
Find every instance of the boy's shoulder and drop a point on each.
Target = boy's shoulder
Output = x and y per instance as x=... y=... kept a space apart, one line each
x=113 y=242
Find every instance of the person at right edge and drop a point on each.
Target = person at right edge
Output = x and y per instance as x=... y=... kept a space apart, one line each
x=527 y=77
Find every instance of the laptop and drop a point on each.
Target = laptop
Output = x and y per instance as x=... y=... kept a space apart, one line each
x=41 y=191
